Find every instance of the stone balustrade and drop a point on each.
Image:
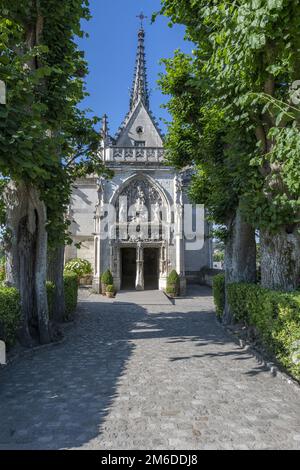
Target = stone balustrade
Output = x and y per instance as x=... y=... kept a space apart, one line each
x=134 y=155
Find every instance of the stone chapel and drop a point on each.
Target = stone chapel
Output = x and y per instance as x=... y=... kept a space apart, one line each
x=136 y=156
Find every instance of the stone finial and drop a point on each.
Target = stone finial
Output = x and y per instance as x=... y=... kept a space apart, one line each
x=105 y=129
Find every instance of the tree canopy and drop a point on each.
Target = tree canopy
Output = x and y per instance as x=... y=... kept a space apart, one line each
x=245 y=59
x=45 y=140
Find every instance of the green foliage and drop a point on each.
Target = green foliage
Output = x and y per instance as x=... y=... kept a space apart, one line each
x=219 y=293
x=9 y=315
x=173 y=279
x=79 y=266
x=233 y=117
x=45 y=140
x=219 y=256
x=275 y=315
x=110 y=289
x=171 y=290
x=107 y=278
x=2 y=269
x=71 y=293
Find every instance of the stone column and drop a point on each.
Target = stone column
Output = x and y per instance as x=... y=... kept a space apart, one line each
x=163 y=267
x=140 y=284
x=97 y=253
x=179 y=235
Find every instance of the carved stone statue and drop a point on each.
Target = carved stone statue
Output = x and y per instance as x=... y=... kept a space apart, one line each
x=178 y=190
x=156 y=212
x=100 y=190
x=123 y=216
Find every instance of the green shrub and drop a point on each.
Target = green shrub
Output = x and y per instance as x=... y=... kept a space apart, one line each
x=219 y=293
x=276 y=318
x=71 y=293
x=110 y=289
x=171 y=290
x=9 y=315
x=107 y=278
x=173 y=279
x=2 y=269
x=81 y=267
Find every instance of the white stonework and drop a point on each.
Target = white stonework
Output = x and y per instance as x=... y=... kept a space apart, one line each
x=136 y=156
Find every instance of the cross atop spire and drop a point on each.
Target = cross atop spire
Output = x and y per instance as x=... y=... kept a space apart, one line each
x=139 y=90
x=142 y=17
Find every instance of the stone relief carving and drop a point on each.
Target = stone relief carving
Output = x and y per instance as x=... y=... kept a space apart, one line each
x=178 y=190
x=141 y=203
x=139 y=193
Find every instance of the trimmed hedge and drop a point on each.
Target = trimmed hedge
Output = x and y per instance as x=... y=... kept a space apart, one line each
x=276 y=318
x=2 y=273
x=173 y=279
x=10 y=315
x=71 y=293
x=171 y=290
x=110 y=289
x=107 y=278
x=219 y=293
x=173 y=282
x=10 y=312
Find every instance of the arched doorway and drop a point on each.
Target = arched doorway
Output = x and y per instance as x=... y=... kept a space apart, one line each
x=128 y=260
x=151 y=268
x=142 y=222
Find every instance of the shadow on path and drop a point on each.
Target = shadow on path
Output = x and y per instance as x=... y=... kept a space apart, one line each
x=61 y=396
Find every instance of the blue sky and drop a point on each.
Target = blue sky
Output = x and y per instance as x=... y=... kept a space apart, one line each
x=111 y=51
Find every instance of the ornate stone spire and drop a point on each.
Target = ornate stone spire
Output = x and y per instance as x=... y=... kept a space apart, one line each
x=104 y=130
x=140 y=86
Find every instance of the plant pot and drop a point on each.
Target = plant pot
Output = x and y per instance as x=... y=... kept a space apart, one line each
x=103 y=288
x=176 y=289
x=86 y=280
x=171 y=295
x=110 y=295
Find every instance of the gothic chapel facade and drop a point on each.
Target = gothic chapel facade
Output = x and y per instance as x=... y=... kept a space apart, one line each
x=136 y=157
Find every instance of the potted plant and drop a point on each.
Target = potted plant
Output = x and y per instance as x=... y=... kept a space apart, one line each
x=82 y=268
x=173 y=282
x=106 y=280
x=171 y=292
x=110 y=291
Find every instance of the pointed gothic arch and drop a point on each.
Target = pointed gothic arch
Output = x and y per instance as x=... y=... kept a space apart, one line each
x=143 y=178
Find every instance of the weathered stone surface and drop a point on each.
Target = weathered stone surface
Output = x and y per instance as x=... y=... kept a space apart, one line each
x=146 y=377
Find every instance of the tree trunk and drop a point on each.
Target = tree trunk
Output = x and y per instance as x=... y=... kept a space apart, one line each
x=56 y=275
x=27 y=260
x=240 y=256
x=280 y=260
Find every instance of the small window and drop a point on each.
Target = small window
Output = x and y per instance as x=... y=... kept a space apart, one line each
x=139 y=143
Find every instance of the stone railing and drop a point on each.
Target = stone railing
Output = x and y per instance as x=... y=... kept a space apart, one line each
x=134 y=155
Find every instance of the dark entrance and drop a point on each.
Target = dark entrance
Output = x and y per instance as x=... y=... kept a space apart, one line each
x=151 y=268
x=128 y=268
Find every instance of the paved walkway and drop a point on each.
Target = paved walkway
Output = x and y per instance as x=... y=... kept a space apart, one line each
x=148 y=297
x=130 y=376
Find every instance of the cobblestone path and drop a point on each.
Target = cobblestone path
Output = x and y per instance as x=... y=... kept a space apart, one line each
x=146 y=377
